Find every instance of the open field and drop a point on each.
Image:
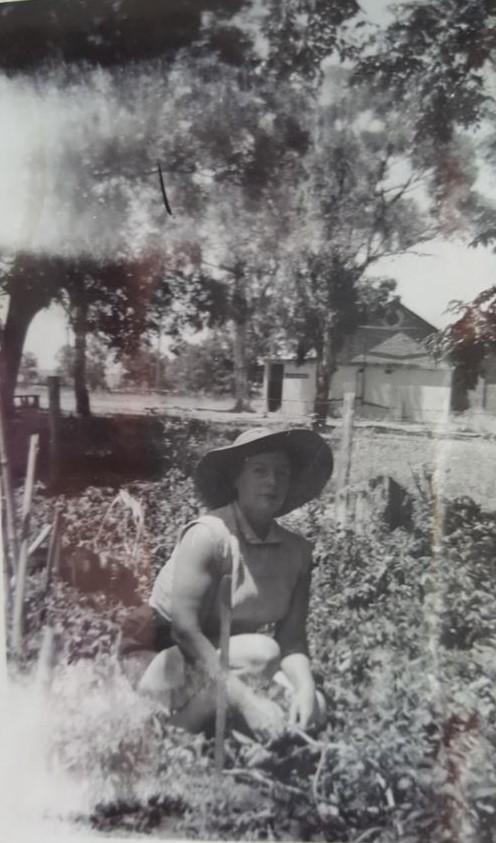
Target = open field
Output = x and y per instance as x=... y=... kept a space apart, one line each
x=467 y=461
x=468 y=466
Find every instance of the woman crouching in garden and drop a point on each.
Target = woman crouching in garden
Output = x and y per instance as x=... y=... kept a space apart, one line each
x=172 y=644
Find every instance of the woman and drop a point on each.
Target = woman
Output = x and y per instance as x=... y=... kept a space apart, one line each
x=246 y=485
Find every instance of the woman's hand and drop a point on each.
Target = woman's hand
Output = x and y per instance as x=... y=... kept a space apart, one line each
x=264 y=717
x=304 y=709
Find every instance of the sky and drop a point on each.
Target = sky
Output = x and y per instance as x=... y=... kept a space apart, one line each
x=31 y=209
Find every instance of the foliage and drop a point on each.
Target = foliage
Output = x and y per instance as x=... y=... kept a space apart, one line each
x=31 y=283
x=301 y=35
x=360 y=210
x=146 y=367
x=434 y=57
x=96 y=357
x=469 y=342
x=121 y=299
x=28 y=370
x=402 y=635
x=435 y=65
x=207 y=366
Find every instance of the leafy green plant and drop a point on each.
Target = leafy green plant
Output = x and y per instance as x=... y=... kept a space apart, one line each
x=402 y=632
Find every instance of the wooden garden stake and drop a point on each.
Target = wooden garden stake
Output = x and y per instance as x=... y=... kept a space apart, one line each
x=47 y=649
x=343 y=478
x=17 y=624
x=221 y=707
x=11 y=559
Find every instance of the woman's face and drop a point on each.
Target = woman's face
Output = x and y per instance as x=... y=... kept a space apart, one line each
x=263 y=483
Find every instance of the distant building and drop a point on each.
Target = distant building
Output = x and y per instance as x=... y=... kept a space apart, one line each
x=386 y=364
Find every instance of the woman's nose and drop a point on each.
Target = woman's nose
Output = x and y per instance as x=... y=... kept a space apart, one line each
x=274 y=479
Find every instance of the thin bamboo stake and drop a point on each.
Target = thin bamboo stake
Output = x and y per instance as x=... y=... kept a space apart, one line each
x=17 y=624
x=221 y=708
x=8 y=491
x=40 y=538
x=46 y=657
x=53 y=551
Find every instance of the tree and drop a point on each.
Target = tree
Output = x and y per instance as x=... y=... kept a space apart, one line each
x=146 y=367
x=252 y=145
x=207 y=366
x=31 y=283
x=302 y=34
x=95 y=365
x=433 y=58
x=467 y=343
x=281 y=42
x=204 y=367
x=437 y=60
x=435 y=63
x=119 y=302
x=359 y=204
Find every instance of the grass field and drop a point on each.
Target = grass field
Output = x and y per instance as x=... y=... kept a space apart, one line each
x=467 y=461
x=468 y=466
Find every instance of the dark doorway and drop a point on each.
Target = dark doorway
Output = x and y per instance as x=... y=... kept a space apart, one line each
x=274 y=392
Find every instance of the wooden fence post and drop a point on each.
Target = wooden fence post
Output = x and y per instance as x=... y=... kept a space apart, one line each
x=17 y=624
x=344 y=469
x=46 y=655
x=53 y=382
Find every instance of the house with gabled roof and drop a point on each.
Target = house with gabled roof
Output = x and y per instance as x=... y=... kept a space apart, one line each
x=386 y=364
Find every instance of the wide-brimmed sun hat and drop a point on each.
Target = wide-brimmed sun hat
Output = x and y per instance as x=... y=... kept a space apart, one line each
x=310 y=456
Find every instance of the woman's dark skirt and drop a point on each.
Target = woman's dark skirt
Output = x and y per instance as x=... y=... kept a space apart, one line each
x=144 y=629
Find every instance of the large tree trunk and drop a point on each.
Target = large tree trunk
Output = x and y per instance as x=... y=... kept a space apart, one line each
x=20 y=314
x=460 y=386
x=80 y=388
x=326 y=366
x=32 y=284
x=241 y=385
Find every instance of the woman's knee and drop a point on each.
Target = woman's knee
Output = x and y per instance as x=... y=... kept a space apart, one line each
x=164 y=674
x=255 y=653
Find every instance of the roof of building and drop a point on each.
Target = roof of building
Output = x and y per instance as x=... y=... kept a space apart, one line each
x=398 y=337
x=398 y=350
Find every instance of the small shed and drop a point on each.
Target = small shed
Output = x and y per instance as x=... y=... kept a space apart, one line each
x=394 y=377
x=289 y=386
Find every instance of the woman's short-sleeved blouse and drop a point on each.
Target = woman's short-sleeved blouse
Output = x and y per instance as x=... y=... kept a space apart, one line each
x=265 y=572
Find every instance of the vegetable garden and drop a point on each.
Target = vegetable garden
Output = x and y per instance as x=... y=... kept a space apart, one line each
x=402 y=631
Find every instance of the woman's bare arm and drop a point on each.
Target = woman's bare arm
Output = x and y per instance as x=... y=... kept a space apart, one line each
x=292 y=639
x=197 y=571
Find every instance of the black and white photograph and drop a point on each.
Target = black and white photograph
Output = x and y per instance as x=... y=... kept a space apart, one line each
x=248 y=420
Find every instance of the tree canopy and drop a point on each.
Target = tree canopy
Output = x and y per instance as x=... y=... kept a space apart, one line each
x=286 y=186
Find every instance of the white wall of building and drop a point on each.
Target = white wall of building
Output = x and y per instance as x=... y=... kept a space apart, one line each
x=405 y=393
x=298 y=389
